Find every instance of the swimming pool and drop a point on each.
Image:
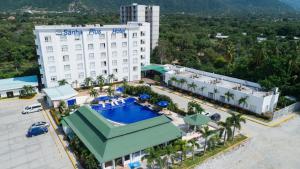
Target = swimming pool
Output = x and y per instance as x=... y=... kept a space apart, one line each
x=127 y=113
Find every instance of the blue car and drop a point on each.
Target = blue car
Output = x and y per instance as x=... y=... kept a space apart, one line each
x=35 y=131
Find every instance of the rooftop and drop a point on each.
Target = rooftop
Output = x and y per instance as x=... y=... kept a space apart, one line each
x=18 y=82
x=243 y=86
x=60 y=92
x=108 y=142
x=157 y=68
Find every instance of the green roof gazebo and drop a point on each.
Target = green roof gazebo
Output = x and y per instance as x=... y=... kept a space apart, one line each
x=197 y=120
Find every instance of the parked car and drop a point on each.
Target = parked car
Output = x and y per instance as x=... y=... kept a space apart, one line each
x=215 y=117
x=35 y=131
x=40 y=124
x=32 y=108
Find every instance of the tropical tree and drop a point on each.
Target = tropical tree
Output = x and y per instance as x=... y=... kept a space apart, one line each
x=181 y=145
x=124 y=82
x=236 y=120
x=162 y=162
x=213 y=141
x=62 y=107
x=194 y=107
x=110 y=91
x=100 y=79
x=88 y=81
x=173 y=79
x=101 y=85
x=243 y=101
x=225 y=129
x=151 y=156
x=94 y=93
x=62 y=82
x=170 y=152
x=28 y=90
x=182 y=82
x=229 y=96
x=206 y=133
x=110 y=78
x=194 y=144
x=192 y=86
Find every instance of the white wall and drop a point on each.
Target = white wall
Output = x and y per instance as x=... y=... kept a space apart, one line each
x=3 y=93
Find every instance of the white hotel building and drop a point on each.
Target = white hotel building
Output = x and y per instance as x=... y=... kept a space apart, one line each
x=216 y=86
x=77 y=52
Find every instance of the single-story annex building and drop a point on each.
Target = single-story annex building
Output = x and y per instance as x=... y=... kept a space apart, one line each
x=12 y=87
x=60 y=93
x=118 y=146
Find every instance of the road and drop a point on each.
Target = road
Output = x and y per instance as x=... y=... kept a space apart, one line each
x=18 y=151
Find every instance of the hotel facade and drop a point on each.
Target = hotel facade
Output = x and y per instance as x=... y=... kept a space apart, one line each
x=76 y=52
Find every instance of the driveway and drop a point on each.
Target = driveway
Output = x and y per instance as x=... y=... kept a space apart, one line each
x=18 y=151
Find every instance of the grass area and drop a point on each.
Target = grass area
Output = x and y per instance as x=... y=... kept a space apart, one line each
x=190 y=163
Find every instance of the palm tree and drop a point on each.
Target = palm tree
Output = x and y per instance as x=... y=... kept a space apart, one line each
x=151 y=156
x=170 y=152
x=94 y=93
x=162 y=162
x=111 y=77
x=124 y=82
x=225 y=128
x=181 y=145
x=236 y=120
x=182 y=82
x=100 y=79
x=101 y=84
x=110 y=91
x=206 y=133
x=192 y=86
x=213 y=141
x=88 y=81
x=28 y=90
x=62 y=82
x=194 y=144
x=62 y=107
x=173 y=79
x=243 y=101
x=229 y=96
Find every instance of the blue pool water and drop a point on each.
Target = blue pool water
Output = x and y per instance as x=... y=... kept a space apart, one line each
x=127 y=113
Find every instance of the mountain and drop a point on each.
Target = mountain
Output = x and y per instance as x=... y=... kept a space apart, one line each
x=209 y=7
x=293 y=3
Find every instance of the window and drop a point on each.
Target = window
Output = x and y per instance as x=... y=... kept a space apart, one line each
x=90 y=37
x=92 y=65
x=113 y=45
x=135 y=52
x=81 y=75
x=125 y=69
x=93 y=73
x=103 y=55
x=124 y=44
x=53 y=78
x=143 y=49
x=67 y=67
x=104 y=72
x=52 y=69
x=210 y=95
x=115 y=70
x=64 y=48
x=124 y=53
x=90 y=46
x=134 y=35
x=78 y=47
x=143 y=57
x=68 y=76
x=47 y=38
x=222 y=98
x=142 y=41
x=103 y=63
x=63 y=38
x=79 y=57
x=135 y=43
x=66 y=58
x=113 y=36
x=91 y=56
x=77 y=37
x=127 y=157
x=80 y=66
x=114 y=54
x=125 y=61
x=124 y=35
x=143 y=33
x=114 y=62
x=135 y=77
x=135 y=60
x=49 y=49
x=50 y=59
x=102 y=45
x=102 y=36
x=135 y=68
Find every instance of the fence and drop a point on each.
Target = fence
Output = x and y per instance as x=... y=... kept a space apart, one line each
x=287 y=110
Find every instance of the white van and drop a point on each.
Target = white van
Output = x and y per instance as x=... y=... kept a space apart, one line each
x=32 y=108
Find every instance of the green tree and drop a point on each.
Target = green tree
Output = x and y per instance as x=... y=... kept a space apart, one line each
x=94 y=93
x=28 y=90
x=88 y=81
x=194 y=144
x=62 y=82
x=243 y=101
x=100 y=79
x=111 y=77
x=182 y=82
x=225 y=129
x=236 y=120
x=151 y=156
x=110 y=91
x=192 y=86
x=181 y=145
x=206 y=133
x=229 y=96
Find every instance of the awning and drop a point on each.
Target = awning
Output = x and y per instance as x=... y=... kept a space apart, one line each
x=158 y=68
x=197 y=119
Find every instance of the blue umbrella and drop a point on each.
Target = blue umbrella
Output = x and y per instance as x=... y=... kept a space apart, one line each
x=120 y=89
x=103 y=98
x=163 y=104
x=133 y=165
x=144 y=96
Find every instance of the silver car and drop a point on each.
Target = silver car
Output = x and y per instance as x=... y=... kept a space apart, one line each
x=40 y=124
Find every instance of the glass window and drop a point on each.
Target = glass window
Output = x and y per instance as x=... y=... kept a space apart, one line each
x=53 y=78
x=91 y=56
x=135 y=52
x=113 y=35
x=68 y=76
x=78 y=47
x=50 y=59
x=143 y=49
x=92 y=65
x=67 y=67
x=135 y=68
x=124 y=44
x=124 y=53
x=115 y=70
x=125 y=61
x=142 y=41
x=79 y=57
x=102 y=36
x=124 y=35
x=81 y=75
x=80 y=66
x=66 y=58
x=114 y=62
x=143 y=33
x=113 y=45
x=125 y=69
x=77 y=37
x=134 y=43
x=135 y=60
x=134 y=35
x=49 y=49
x=64 y=48
x=103 y=55
x=114 y=54
x=103 y=63
x=102 y=45
x=47 y=38
x=63 y=38
x=90 y=36
x=93 y=73
x=104 y=72
x=90 y=46
x=52 y=69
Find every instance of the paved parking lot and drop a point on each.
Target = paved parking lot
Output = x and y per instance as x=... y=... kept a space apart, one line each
x=18 y=151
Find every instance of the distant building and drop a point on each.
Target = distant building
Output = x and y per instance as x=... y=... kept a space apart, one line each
x=241 y=93
x=143 y=13
x=13 y=86
x=220 y=36
x=76 y=52
x=261 y=39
